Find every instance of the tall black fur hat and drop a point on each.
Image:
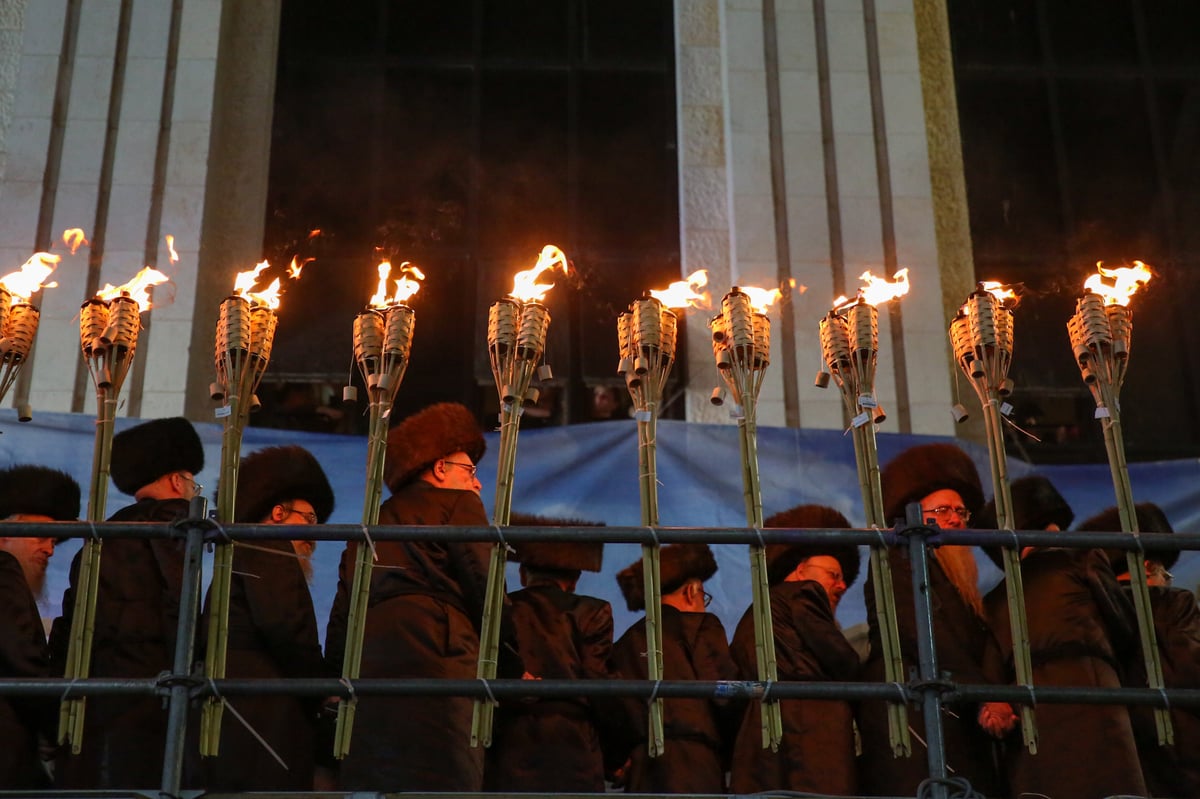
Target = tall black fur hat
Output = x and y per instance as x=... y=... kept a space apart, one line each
x=678 y=563
x=585 y=556
x=435 y=432
x=40 y=491
x=281 y=474
x=1150 y=519
x=1036 y=505
x=782 y=559
x=144 y=453
x=919 y=471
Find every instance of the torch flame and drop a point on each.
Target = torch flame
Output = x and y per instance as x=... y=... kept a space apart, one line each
x=525 y=285
x=245 y=281
x=878 y=290
x=74 y=238
x=1126 y=281
x=172 y=256
x=998 y=290
x=31 y=277
x=405 y=286
x=136 y=289
x=312 y=234
x=761 y=299
x=297 y=266
x=686 y=293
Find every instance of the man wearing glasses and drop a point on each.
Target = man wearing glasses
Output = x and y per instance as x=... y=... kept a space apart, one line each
x=426 y=604
x=272 y=627
x=137 y=609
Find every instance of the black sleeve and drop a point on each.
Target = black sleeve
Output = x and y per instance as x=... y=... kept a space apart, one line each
x=1114 y=606
x=819 y=631
x=280 y=608
x=335 y=629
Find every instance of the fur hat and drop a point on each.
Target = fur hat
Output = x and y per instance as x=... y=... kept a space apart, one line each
x=782 y=559
x=435 y=432
x=919 y=471
x=145 y=452
x=281 y=474
x=677 y=564
x=585 y=556
x=1150 y=519
x=40 y=491
x=1036 y=504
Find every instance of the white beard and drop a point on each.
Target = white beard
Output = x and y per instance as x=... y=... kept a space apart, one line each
x=958 y=562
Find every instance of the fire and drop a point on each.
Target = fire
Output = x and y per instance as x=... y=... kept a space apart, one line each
x=245 y=281
x=686 y=293
x=171 y=254
x=761 y=299
x=74 y=238
x=297 y=266
x=878 y=290
x=998 y=290
x=525 y=285
x=1126 y=281
x=31 y=277
x=137 y=289
x=312 y=234
x=405 y=287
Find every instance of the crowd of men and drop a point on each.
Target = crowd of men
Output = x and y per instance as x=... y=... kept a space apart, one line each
x=426 y=604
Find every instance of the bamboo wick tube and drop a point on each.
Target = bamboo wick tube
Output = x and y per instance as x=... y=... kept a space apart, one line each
x=108 y=334
x=382 y=346
x=981 y=336
x=850 y=347
x=1101 y=336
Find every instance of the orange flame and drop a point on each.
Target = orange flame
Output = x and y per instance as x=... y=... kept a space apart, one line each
x=879 y=290
x=297 y=266
x=137 y=289
x=245 y=281
x=405 y=287
x=686 y=293
x=998 y=290
x=761 y=299
x=172 y=256
x=74 y=238
x=525 y=285
x=312 y=234
x=1126 y=281
x=31 y=277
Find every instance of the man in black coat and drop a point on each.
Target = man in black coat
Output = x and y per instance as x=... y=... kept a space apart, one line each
x=816 y=754
x=272 y=627
x=553 y=745
x=698 y=733
x=27 y=494
x=426 y=607
x=137 y=609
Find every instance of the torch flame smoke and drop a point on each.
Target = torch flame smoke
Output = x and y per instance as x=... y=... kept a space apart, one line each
x=405 y=286
x=525 y=285
x=244 y=283
x=1126 y=281
x=686 y=293
x=74 y=238
x=23 y=283
x=172 y=256
x=137 y=289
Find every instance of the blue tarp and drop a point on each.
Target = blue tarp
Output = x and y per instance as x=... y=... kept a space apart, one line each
x=590 y=472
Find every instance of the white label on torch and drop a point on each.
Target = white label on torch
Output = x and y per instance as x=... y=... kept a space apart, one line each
x=861 y=419
x=223 y=411
x=1006 y=408
x=867 y=401
x=642 y=416
x=1101 y=413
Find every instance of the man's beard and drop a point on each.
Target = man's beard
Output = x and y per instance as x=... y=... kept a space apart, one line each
x=35 y=576
x=958 y=563
x=306 y=566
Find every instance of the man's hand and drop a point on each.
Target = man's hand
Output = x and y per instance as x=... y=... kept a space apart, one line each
x=997 y=718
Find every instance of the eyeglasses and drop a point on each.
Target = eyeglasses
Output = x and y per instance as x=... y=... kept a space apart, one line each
x=946 y=511
x=834 y=574
x=197 y=489
x=1155 y=569
x=307 y=516
x=707 y=599
x=470 y=467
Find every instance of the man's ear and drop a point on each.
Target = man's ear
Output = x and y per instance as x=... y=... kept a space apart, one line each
x=278 y=514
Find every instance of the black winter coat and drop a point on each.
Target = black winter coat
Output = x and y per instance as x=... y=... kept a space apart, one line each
x=554 y=745
x=698 y=733
x=23 y=653
x=817 y=752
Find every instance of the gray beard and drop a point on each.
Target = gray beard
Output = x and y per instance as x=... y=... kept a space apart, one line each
x=306 y=567
x=958 y=562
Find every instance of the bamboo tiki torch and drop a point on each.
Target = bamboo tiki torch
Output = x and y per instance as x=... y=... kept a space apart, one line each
x=1101 y=333
x=741 y=336
x=517 y=328
x=109 y=324
x=382 y=343
x=647 y=336
x=850 y=348
x=19 y=318
x=982 y=337
x=245 y=334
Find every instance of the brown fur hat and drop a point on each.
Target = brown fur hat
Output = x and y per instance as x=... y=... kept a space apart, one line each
x=782 y=559
x=1150 y=519
x=677 y=564
x=585 y=556
x=275 y=475
x=435 y=432
x=40 y=491
x=145 y=452
x=919 y=471
x=1036 y=504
